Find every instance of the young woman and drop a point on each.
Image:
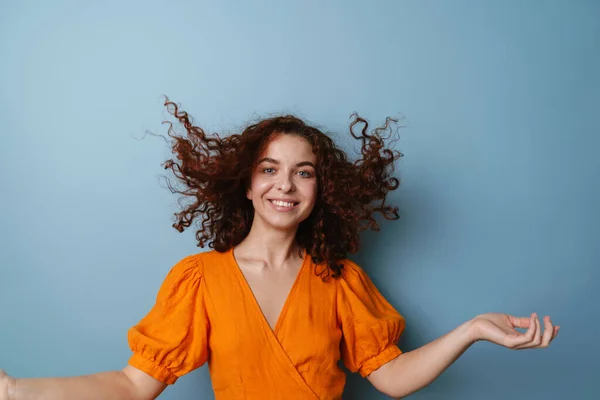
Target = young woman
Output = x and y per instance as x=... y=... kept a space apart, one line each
x=276 y=303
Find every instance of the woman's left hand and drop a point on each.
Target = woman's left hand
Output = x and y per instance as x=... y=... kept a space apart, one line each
x=500 y=329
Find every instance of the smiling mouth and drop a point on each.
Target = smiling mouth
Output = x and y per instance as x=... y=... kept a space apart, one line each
x=280 y=203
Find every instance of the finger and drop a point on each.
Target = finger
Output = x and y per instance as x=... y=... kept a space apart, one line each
x=548 y=332
x=556 y=329
x=519 y=340
x=538 y=333
x=529 y=337
x=520 y=322
x=531 y=332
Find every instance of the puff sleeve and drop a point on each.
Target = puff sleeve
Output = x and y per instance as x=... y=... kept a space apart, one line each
x=370 y=325
x=172 y=339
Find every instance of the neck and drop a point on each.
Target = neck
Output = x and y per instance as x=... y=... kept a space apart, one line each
x=272 y=246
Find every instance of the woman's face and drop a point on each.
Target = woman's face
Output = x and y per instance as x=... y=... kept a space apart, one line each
x=283 y=188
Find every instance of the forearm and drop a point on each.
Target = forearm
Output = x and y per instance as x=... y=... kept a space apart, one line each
x=416 y=369
x=114 y=385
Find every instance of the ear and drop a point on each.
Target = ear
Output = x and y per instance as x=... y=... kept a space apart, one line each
x=249 y=194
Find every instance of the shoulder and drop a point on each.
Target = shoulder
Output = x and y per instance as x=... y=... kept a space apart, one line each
x=354 y=282
x=352 y=272
x=188 y=265
x=189 y=269
x=189 y=273
x=208 y=266
x=198 y=262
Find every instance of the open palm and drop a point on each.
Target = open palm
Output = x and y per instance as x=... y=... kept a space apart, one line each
x=501 y=329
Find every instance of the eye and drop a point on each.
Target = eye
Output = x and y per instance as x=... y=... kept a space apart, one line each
x=268 y=170
x=305 y=174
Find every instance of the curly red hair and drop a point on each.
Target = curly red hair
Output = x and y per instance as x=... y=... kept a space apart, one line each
x=214 y=173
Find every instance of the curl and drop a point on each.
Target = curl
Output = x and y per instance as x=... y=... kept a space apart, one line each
x=213 y=173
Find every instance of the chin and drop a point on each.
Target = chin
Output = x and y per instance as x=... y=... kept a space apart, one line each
x=284 y=225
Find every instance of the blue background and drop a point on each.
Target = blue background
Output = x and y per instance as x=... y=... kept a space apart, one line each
x=500 y=187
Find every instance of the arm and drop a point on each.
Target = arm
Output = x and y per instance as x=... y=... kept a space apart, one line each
x=416 y=369
x=127 y=384
x=173 y=335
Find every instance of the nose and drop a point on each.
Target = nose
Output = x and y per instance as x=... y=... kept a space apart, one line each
x=286 y=184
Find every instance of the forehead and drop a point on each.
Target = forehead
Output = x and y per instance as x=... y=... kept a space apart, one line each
x=289 y=147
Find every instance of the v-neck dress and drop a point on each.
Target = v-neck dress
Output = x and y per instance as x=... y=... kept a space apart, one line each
x=205 y=311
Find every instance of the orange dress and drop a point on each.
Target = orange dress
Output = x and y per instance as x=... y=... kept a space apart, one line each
x=206 y=311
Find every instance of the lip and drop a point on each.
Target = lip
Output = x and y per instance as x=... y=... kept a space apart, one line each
x=285 y=200
x=281 y=208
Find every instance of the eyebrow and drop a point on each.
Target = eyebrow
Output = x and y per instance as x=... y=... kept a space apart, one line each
x=273 y=161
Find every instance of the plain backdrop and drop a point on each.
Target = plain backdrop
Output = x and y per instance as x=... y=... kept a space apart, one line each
x=500 y=176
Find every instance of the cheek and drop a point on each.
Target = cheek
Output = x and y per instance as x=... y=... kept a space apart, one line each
x=258 y=186
x=311 y=190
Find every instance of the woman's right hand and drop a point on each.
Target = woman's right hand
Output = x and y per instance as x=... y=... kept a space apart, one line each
x=6 y=383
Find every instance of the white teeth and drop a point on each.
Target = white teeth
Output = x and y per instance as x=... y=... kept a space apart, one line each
x=282 y=203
